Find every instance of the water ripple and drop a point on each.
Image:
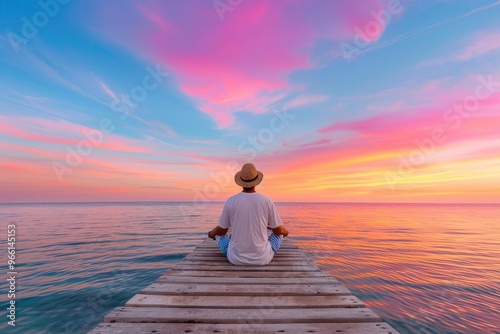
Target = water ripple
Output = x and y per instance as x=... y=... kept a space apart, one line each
x=81 y=260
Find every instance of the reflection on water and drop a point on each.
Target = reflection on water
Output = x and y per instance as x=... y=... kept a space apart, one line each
x=423 y=268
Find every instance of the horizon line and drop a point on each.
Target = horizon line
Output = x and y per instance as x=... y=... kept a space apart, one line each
x=208 y=202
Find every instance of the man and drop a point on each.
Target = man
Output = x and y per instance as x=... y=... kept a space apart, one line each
x=249 y=214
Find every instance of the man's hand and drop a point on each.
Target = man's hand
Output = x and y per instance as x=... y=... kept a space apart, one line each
x=217 y=231
x=280 y=230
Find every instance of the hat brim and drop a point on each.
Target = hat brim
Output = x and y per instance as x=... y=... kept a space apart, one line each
x=245 y=184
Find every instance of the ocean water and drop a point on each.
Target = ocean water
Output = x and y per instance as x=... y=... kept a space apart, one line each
x=423 y=268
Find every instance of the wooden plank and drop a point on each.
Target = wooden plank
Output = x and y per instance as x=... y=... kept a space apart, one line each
x=223 y=258
x=239 y=280
x=212 y=243
x=243 y=290
x=235 y=316
x=227 y=263
x=276 y=257
x=208 y=242
x=205 y=293
x=296 y=328
x=219 y=254
x=230 y=302
x=209 y=257
x=247 y=274
x=217 y=250
x=216 y=246
x=181 y=266
x=214 y=260
x=280 y=252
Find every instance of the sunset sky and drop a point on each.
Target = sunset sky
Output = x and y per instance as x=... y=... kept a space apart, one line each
x=345 y=101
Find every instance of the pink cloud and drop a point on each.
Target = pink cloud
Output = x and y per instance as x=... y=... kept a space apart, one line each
x=225 y=65
x=416 y=121
x=63 y=133
x=31 y=150
x=358 y=153
x=478 y=45
x=12 y=168
x=35 y=130
x=317 y=143
x=471 y=47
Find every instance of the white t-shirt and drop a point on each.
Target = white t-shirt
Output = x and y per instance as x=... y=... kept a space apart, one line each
x=248 y=215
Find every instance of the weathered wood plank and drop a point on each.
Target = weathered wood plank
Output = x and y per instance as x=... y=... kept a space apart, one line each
x=206 y=257
x=219 y=256
x=240 y=316
x=240 y=280
x=276 y=257
x=244 y=290
x=281 y=250
x=181 y=266
x=214 y=259
x=230 y=302
x=280 y=253
x=295 y=328
x=245 y=274
x=210 y=243
x=215 y=246
x=205 y=293
x=216 y=249
x=211 y=260
x=227 y=263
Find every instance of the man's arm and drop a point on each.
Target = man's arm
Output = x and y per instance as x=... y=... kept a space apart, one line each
x=275 y=220
x=217 y=231
x=280 y=230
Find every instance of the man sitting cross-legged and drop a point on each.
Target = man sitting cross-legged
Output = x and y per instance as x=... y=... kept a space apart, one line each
x=249 y=214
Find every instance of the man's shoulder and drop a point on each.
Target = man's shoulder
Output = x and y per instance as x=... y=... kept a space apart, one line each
x=242 y=196
x=264 y=197
x=232 y=198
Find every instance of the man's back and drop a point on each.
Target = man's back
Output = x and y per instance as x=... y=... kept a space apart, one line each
x=248 y=215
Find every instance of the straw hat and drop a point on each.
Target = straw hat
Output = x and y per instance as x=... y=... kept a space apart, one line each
x=248 y=176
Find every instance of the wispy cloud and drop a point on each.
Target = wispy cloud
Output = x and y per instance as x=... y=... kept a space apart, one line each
x=479 y=45
x=50 y=66
x=62 y=133
x=473 y=46
x=222 y=70
x=352 y=121
x=335 y=58
x=108 y=91
x=305 y=100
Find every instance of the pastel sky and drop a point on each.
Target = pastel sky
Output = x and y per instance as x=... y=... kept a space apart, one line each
x=344 y=101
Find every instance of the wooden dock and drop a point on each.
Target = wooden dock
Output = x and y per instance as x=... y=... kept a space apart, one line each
x=203 y=293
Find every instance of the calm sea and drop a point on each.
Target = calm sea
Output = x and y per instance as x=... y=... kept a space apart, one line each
x=422 y=268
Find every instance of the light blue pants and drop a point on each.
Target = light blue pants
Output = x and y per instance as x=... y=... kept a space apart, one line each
x=223 y=242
